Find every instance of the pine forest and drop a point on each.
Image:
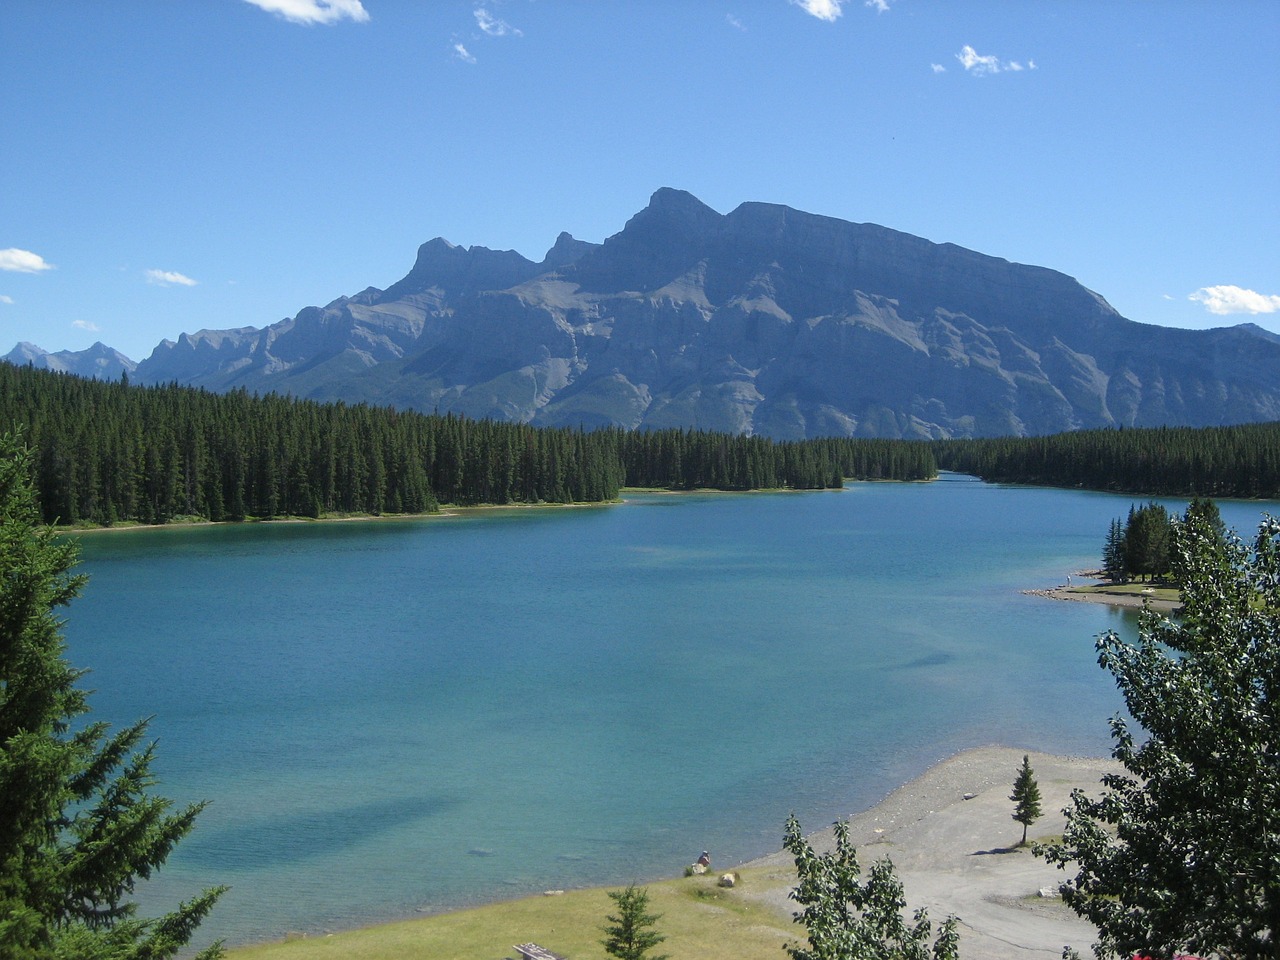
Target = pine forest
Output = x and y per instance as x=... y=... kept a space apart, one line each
x=109 y=452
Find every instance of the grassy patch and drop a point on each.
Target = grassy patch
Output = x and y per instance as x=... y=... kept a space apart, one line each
x=1135 y=590
x=699 y=919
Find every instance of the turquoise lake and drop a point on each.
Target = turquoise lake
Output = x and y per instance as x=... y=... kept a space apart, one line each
x=411 y=715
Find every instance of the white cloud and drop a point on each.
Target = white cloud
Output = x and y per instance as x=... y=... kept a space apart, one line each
x=85 y=325
x=975 y=63
x=168 y=278
x=461 y=53
x=22 y=261
x=314 y=11
x=4 y=299
x=1225 y=299
x=827 y=10
x=937 y=68
x=494 y=27
x=980 y=65
x=735 y=22
x=879 y=6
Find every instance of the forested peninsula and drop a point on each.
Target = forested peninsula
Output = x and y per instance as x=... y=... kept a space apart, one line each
x=109 y=452
x=1235 y=461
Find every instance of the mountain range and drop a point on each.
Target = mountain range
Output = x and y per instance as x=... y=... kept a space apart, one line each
x=765 y=320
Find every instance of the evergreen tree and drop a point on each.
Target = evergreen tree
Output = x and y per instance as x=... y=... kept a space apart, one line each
x=1147 y=541
x=847 y=918
x=631 y=934
x=1181 y=853
x=78 y=827
x=1026 y=798
x=1113 y=552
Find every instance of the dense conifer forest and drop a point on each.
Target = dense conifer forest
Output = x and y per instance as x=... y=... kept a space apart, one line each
x=111 y=452
x=108 y=452
x=1238 y=461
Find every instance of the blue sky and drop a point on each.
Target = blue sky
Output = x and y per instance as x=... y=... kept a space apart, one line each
x=172 y=165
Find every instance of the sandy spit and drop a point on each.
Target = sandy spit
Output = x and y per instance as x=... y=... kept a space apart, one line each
x=951 y=837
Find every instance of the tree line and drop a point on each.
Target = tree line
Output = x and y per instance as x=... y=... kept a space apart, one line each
x=1236 y=461
x=108 y=452
x=1142 y=545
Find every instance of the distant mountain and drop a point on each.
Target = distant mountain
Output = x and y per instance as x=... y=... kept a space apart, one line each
x=99 y=362
x=764 y=320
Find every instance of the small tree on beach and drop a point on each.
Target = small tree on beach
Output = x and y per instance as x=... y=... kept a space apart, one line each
x=1026 y=798
x=850 y=919
x=631 y=934
x=1181 y=853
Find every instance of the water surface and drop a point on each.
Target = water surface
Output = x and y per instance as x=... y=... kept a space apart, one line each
x=401 y=716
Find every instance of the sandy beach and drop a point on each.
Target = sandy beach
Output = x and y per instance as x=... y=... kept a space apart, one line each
x=1093 y=587
x=956 y=855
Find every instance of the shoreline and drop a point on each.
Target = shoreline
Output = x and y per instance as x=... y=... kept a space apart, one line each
x=1130 y=597
x=951 y=836
x=445 y=511
x=949 y=832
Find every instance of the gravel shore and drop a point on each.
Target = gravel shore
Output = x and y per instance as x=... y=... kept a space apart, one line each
x=957 y=856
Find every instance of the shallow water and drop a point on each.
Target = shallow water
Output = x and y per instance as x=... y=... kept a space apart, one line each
x=402 y=716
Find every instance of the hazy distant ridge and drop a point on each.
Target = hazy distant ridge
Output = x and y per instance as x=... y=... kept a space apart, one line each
x=764 y=320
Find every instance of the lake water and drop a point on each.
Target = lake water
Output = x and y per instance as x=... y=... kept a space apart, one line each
x=403 y=716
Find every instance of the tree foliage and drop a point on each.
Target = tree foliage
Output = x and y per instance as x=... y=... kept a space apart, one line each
x=1113 y=552
x=78 y=825
x=1235 y=461
x=631 y=932
x=1148 y=533
x=851 y=919
x=1026 y=798
x=108 y=452
x=1181 y=853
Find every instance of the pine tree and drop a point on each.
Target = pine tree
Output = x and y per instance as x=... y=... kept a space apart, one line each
x=78 y=827
x=1113 y=552
x=1026 y=798
x=630 y=934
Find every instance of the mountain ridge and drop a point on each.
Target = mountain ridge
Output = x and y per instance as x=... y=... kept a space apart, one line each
x=764 y=320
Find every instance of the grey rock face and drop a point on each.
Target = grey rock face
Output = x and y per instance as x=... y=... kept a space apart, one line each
x=98 y=362
x=764 y=320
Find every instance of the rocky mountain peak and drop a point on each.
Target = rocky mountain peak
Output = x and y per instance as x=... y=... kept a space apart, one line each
x=98 y=361
x=461 y=270
x=765 y=320
x=566 y=250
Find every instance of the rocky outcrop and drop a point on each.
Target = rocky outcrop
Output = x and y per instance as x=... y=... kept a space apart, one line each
x=98 y=362
x=765 y=320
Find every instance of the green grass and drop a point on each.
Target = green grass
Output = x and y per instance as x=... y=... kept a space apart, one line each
x=1138 y=590
x=700 y=920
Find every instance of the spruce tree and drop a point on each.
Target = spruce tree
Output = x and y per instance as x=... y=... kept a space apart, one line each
x=1026 y=798
x=78 y=826
x=1113 y=552
x=631 y=934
